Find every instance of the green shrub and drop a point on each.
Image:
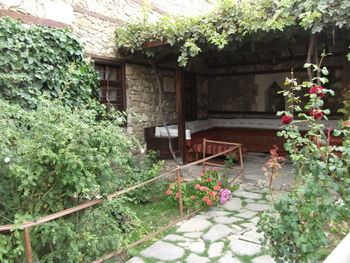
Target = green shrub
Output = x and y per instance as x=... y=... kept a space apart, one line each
x=300 y=229
x=53 y=158
x=36 y=59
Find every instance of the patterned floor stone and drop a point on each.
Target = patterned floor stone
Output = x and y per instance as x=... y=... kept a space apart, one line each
x=258 y=207
x=135 y=260
x=226 y=220
x=176 y=238
x=215 y=249
x=264 y=259
x=215 y=213
x=243 y=248
x=228 y=258
x=193 y=234
x=246 y=214
x=245 y=194
x=195 y=224
x=217 y=232
x=163 y=251
x=193 y=258
x=253 y=236
x=233 y=205
x=196 y=247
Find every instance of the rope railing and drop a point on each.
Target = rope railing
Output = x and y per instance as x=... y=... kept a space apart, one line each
x=28 y=224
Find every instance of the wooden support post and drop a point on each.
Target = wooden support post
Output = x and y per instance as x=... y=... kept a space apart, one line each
x=178 y=174
x=346 y=72
x=27 y=245
x=180 y=109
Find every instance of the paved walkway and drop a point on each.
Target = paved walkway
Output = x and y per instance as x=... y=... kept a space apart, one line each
x=224 y=234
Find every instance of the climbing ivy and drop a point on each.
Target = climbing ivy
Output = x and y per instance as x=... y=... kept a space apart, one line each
x=233 y=22
x=36 y=60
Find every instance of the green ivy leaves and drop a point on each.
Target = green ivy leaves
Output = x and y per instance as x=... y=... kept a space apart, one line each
x=37 y=60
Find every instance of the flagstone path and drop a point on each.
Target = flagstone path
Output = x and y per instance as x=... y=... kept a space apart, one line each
x=225 y=234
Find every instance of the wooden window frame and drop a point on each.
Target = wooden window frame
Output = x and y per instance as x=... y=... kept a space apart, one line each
x=121 y=66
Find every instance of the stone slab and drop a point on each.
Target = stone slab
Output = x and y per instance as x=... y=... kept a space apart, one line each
x=196 y=247
x=193 y=234
x=264 y=259
x=194 y=225
x=173 y=237
x=135 y=260
x=233 y=204
x=214 y=213
x=193 y=258
x=226 y=220
x=246 y=214
x=246 y=194
x=217 y=232
x=163 y=251
x=257 y=207
x=244 y=248
x=215 y=249
x=228 y=258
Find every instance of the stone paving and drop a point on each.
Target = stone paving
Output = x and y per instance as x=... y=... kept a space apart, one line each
x=225 y=234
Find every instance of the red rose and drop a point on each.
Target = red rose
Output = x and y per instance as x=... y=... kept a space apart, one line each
x=211 y=193
x=203 y=188
x=208 y=179
x=167 y=192
x=197 y=186
x=209 y=202
x=177 y=195
x=201 y=174
x=219 y=183
x=286 y=119
x=207 y=169
x=317 y=90
x=206 y=199
x=316 y=113
x=192 y=197
x=181 y=179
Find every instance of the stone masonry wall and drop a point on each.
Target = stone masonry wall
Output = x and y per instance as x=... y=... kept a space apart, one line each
x=143 y=99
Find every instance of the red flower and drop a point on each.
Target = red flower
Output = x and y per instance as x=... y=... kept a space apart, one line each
x=286 y=119
x=211 y=193
x=317 y=90
x=217 y=188
x=197 y=186
x=171 y=186
x=215 y=169
x=201 y=174
x=177 y=195
x=316 y=113
x=206 y=199
x=167 y=192
x=209 y=202
x=192 y=197
x=203 y=188
x=181 y=179
x=219 y=183
x=208 y=179
x=207 y=169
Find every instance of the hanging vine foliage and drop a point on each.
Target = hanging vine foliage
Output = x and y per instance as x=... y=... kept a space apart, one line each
x=233 y=21
x=36 y=60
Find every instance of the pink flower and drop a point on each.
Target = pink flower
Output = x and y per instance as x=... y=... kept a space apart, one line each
x=207 y=169
x=177 y=195
x=206 y=198
x=219 y=183
x=203 y=188
x=209 y=202
x=286 y=119
x=197 y=186
x=171 y=186
x=208 y=179
x=181 y=179
x=317 y=90
x=192 y=197
x=217 y=188
x=201 y=174
x=167 y=192
x=215 y=169
x=225 y=195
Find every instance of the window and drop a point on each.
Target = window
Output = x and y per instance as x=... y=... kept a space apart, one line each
x=112 y=84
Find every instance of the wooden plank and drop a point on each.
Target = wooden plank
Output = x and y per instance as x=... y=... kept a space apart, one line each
x=346 y=72
x=180 y=110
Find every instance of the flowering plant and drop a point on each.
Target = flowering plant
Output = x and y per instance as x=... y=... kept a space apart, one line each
x=201 y=193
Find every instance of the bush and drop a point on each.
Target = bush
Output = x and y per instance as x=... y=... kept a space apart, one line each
x=37 y=60
x=301 y=228
x=53 y=158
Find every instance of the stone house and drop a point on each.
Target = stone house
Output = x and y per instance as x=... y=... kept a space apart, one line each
x=230 y=84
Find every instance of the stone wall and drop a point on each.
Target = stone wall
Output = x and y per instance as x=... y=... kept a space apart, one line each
x=143 y=99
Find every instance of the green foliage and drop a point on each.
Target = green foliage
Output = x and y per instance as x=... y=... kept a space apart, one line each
x=234 y=22
x=54 y=158
x=300 y=229
x=37 y=60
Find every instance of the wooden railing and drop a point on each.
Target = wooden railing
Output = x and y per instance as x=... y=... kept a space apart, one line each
x=27 y=225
